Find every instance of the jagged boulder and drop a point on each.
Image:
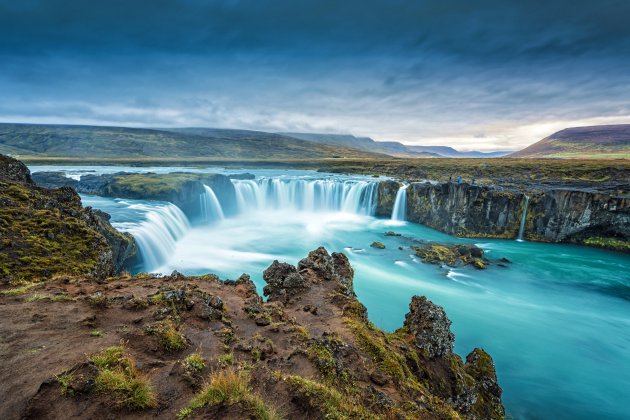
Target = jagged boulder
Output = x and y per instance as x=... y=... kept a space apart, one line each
x=319 y=265
x=283 y=281
x=480 y=366
x=452 y=255
x=14 y=170
x=344 y=273
x=123 y=245
x=430 y=326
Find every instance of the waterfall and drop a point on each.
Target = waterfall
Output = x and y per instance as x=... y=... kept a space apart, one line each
x=523 y=217
x=400 y=204
x=210 y=206
x=157 y=234
x=306 y=195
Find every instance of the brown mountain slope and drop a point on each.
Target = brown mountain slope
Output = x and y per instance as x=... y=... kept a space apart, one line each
x=599 y=141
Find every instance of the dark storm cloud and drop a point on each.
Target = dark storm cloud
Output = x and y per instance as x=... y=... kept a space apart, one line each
x=411 y=70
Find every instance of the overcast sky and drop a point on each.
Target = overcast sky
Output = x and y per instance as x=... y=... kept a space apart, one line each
x=485 y=75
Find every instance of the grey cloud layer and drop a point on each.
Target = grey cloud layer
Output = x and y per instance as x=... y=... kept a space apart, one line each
x=470 y=72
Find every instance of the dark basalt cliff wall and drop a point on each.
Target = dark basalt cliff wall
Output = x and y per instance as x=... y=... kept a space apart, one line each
x=465 y=210
x=386 y=196
x=553 y=215
x=576 y=216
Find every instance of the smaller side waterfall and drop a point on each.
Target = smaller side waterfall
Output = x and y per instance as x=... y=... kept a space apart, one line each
x=156 y=236
x=523 y=218
x=210 y=206
x=400 y=204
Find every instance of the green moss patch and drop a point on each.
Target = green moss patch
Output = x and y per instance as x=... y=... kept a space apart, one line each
x=615 y=244
x=42 y=235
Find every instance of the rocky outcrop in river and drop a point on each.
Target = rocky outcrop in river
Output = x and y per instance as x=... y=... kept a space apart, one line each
x=386 y=196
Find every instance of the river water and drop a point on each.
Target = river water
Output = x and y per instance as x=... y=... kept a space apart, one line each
x=556 y=320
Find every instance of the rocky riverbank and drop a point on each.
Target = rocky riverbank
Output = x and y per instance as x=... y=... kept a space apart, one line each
x=206 y=348
x=46 y=232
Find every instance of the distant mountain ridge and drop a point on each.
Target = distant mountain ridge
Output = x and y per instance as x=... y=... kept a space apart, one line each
x=599 y=141
x=94 y=142
x=447 y=151
x=80 y=141
x=392 y=148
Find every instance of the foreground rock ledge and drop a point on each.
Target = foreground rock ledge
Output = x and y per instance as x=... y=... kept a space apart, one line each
x=308 y=352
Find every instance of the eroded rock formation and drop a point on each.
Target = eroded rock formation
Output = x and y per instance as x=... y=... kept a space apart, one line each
x=46 y=232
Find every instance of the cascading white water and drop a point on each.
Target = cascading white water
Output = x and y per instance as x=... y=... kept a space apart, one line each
x=156 y=236
x=349 y=196
x=211 y=209
x=523 y=218
x=399 y=211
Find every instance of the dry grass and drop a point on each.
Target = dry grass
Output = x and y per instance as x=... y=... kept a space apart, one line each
x=230 y=387
x=118 y=376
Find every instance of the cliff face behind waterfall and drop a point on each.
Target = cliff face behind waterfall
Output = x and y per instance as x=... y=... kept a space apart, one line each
x=553 y=215
x=464 y=211
x=561 y=215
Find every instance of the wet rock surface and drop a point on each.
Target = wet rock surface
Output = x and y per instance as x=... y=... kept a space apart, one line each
x=386 y=197
x=430 y=326
x=452 y=255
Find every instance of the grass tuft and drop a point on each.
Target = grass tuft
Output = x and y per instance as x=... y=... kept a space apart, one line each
x=170 y=339
x=331 y=403
x=19 y=290
x=226 y=359
x=51 y=298
x=230 y=387
x=117 y=375
x=194 y=362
